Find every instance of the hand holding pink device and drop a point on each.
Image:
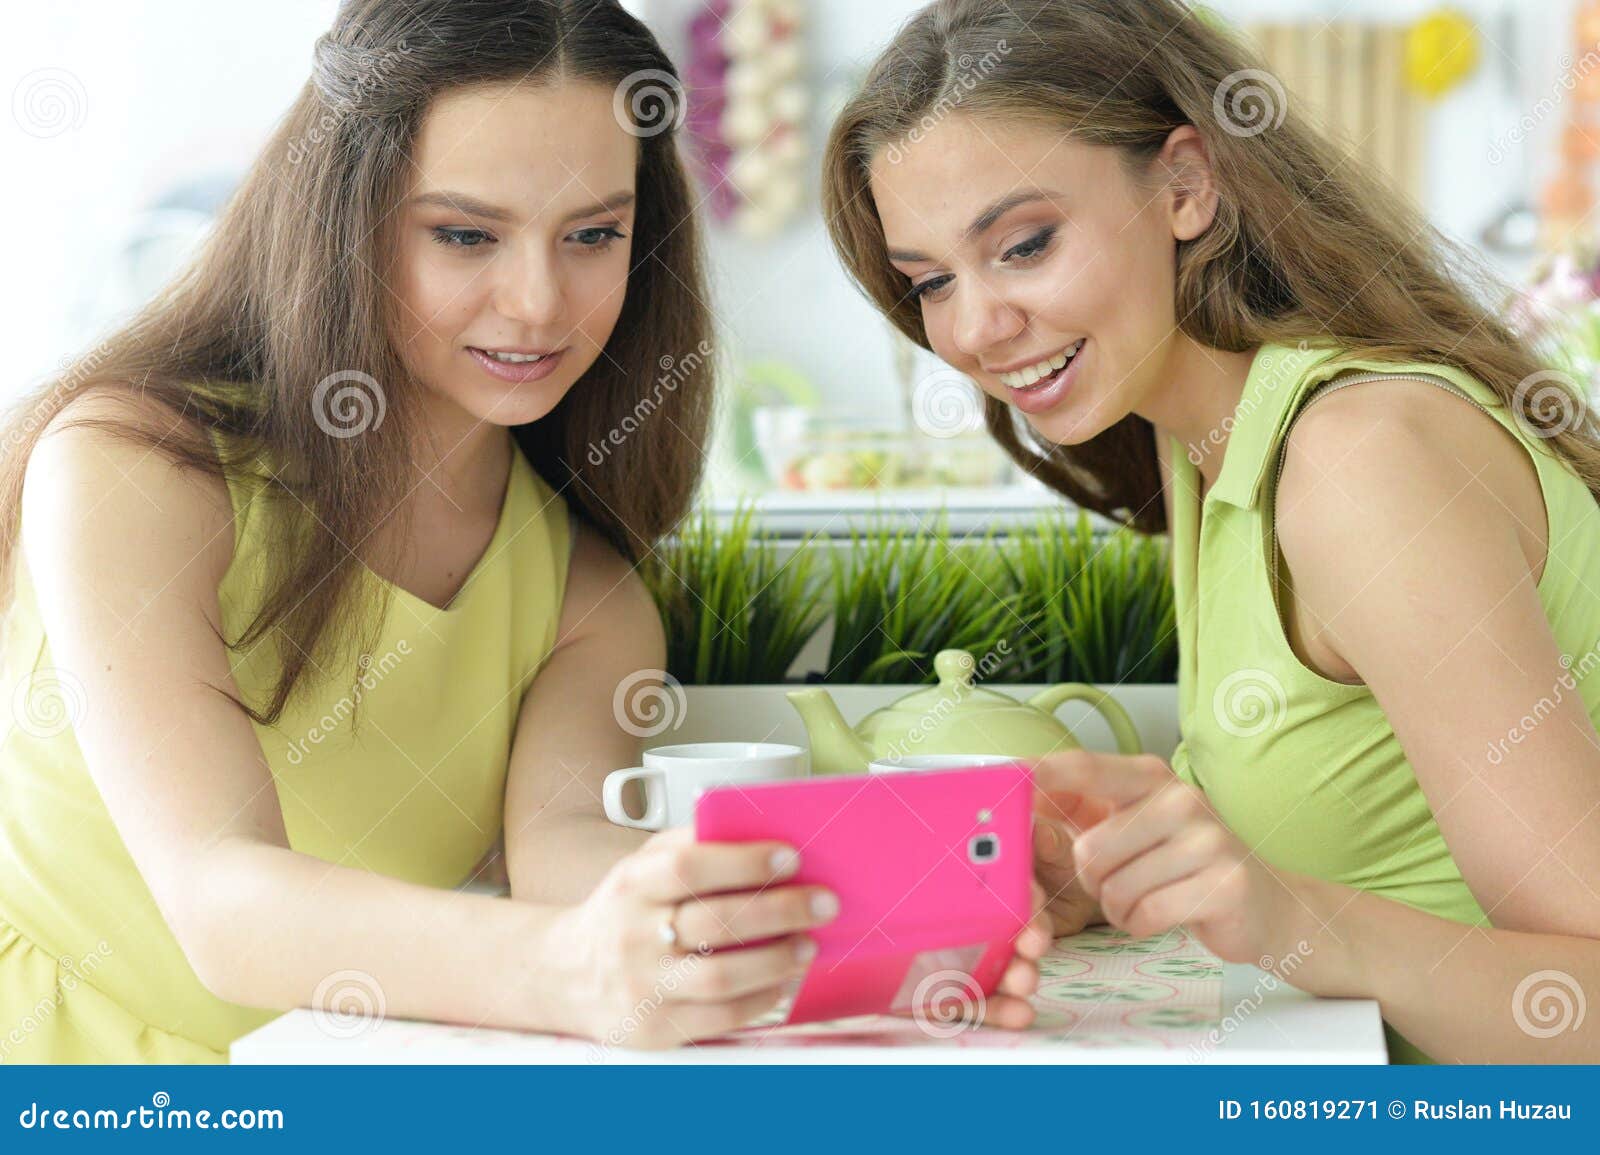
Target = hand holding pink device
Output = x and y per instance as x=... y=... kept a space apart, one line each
x=933 y=870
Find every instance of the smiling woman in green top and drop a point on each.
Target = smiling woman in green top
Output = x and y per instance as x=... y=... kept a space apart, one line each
x=1190 y=312
x=297 y=624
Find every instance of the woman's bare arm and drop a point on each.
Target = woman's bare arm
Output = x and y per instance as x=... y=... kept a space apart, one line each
x=1395 y=518
x=126 y=552
x=558 y=841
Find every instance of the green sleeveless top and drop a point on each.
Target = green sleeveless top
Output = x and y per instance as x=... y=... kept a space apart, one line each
x=395 y=765
x=1308 y=771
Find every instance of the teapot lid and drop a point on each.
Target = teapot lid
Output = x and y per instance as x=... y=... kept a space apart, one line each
x=955 y=670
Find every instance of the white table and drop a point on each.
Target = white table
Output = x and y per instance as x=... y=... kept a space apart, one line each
x=1264 y=1021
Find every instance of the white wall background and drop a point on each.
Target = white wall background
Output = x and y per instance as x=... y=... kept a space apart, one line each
x=168 y=91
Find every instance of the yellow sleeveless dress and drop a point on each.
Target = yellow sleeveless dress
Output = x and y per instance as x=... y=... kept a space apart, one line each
x=89 y=971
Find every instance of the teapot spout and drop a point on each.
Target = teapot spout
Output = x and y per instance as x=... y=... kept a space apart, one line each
x=835 y=748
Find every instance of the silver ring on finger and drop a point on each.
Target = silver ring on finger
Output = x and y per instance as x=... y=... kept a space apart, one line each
x=668 y=930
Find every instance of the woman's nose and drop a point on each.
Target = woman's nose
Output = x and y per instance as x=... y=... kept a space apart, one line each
x=531 y=290
x=983 y=320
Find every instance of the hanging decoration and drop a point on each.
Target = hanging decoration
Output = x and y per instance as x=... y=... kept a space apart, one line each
x=747 y=110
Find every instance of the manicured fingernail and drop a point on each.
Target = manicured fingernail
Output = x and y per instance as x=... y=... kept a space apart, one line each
x=824 y=905
x=784 y=862
x=805 y=950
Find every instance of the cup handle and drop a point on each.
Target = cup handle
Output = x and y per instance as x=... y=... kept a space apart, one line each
x=655 y=798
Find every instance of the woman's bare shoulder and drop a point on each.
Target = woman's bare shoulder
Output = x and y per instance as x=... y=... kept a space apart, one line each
x=98 y=474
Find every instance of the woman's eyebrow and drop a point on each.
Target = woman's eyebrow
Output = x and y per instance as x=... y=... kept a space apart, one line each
x=464 y=203
x=983 y=221
x=614 y=203
x=472 y=206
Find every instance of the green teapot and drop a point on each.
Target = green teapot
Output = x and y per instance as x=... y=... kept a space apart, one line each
x=954 y=717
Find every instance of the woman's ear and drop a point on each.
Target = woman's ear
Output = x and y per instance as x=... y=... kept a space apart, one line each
x=1185 y=167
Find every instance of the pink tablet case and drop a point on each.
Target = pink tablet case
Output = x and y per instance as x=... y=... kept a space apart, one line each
x=918 y=919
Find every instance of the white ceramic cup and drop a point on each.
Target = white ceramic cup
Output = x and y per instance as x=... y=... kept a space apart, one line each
x=937 y=762
x=674 y=776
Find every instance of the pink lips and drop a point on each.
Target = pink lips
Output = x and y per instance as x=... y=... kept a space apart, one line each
x=1047 y=394
x=518 y=373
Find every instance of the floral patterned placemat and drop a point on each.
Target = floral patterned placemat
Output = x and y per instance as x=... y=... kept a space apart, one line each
x=1100 y=988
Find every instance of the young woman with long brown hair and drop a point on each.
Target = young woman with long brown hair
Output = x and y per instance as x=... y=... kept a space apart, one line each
x=299 y=623
x=1390 y=771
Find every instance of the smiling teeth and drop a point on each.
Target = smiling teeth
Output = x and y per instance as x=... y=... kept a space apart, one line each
x=515 y=358
x=1033 y=374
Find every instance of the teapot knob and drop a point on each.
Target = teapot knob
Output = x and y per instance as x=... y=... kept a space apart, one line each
x=953 y=666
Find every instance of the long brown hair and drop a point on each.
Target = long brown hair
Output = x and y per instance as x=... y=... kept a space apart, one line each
x=287 y=301
x=1306 y=243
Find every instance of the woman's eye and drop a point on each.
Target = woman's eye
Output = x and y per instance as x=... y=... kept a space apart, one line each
x=1031 y=247
x=599 y=237
x=930 y=289
x=461 y=238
